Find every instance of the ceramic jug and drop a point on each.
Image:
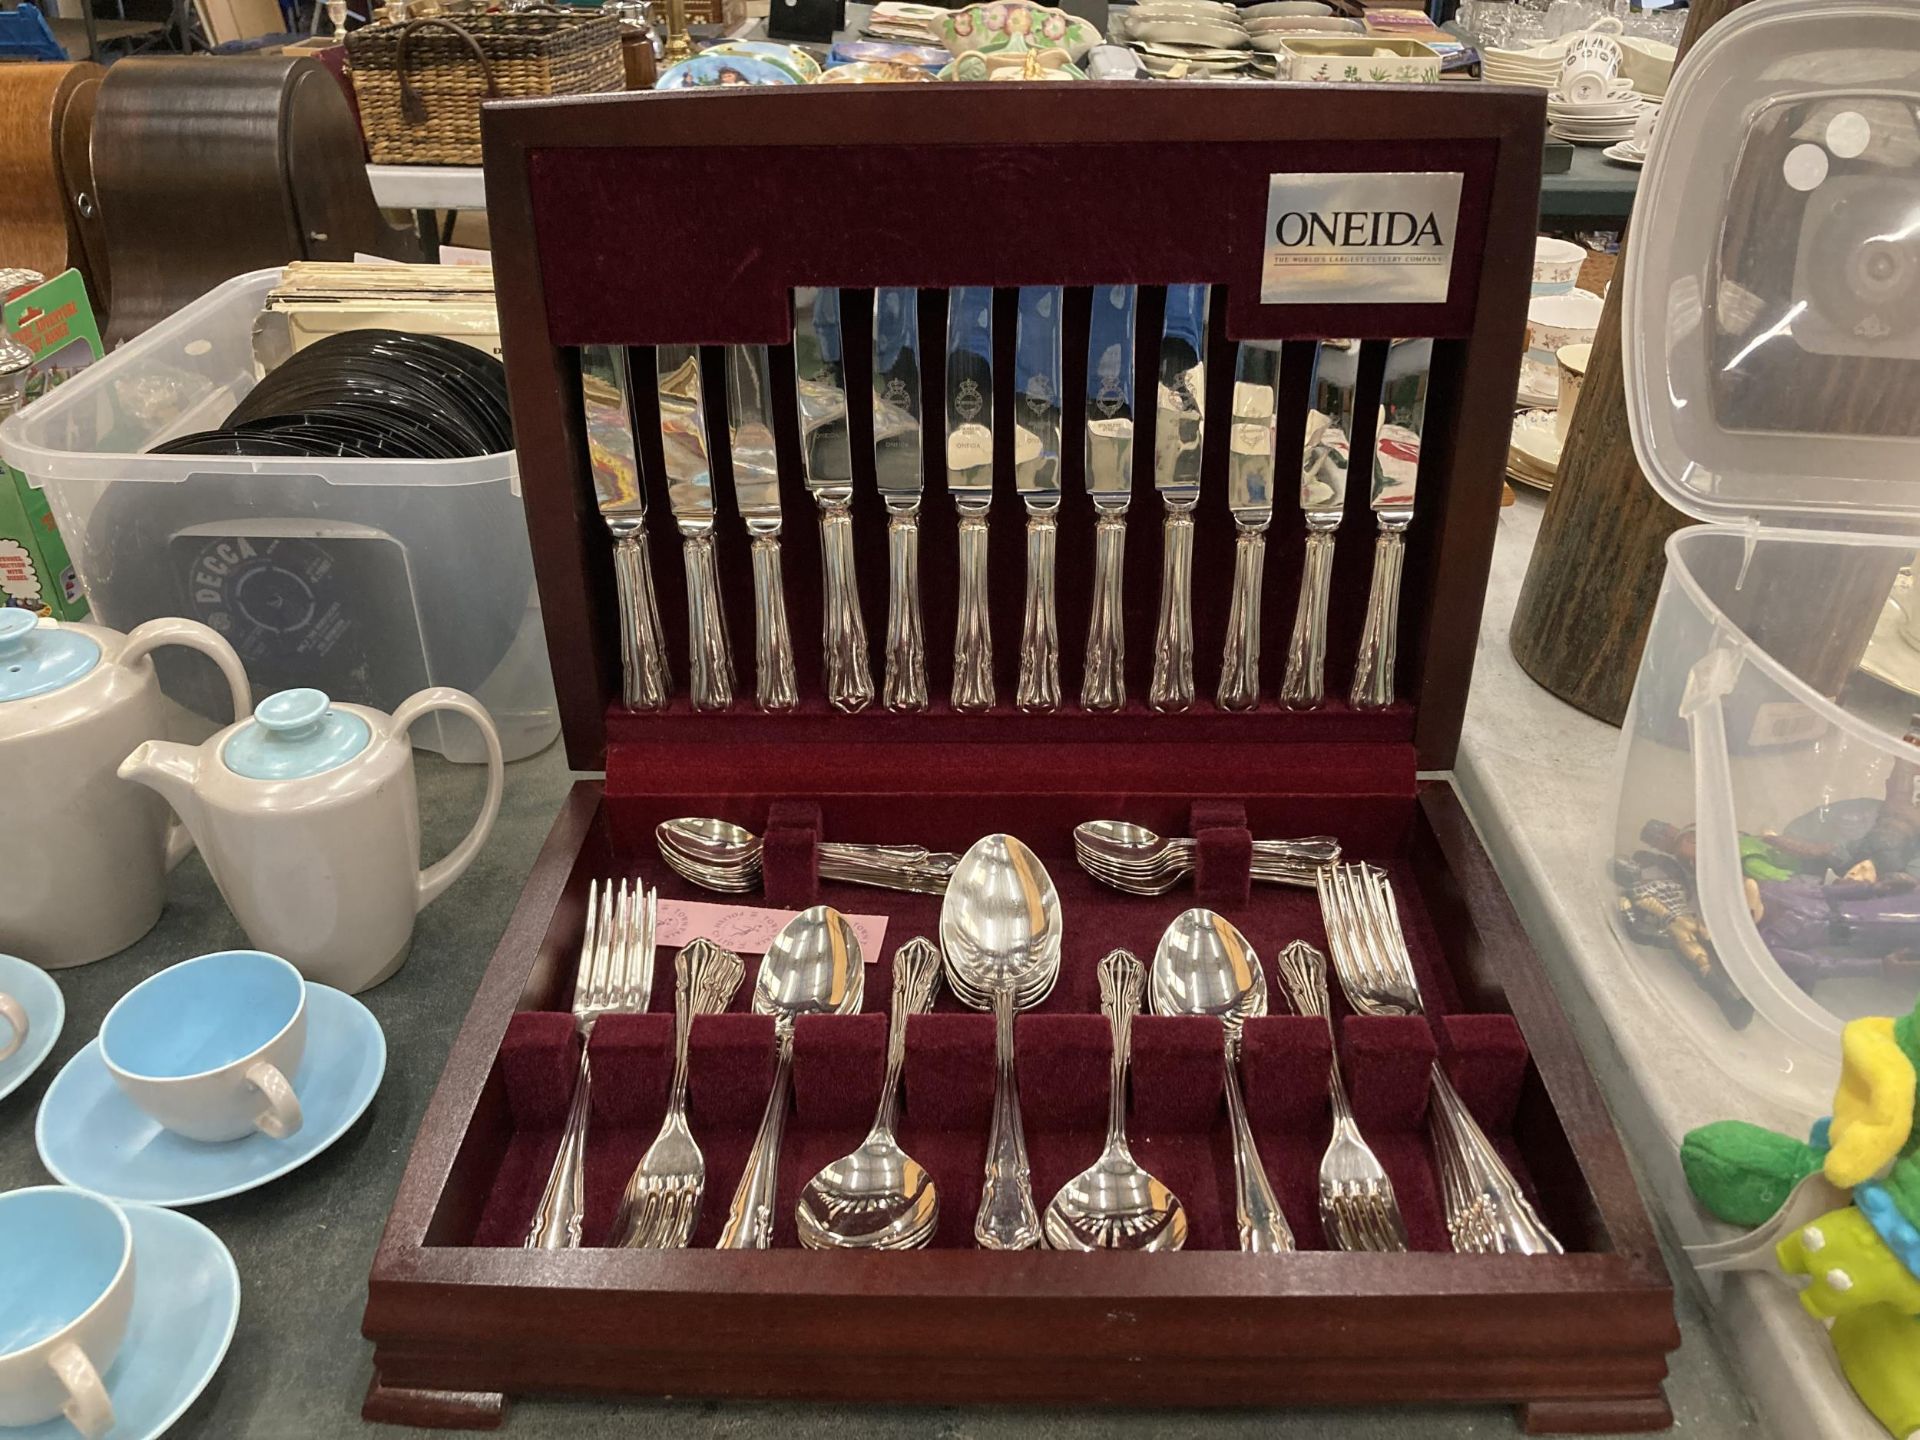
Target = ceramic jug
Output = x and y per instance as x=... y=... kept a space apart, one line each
x=87 y=854
x=307 y=816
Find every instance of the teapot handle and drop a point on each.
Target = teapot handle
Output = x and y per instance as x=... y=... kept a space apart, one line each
x=173 y=630
x=438 y=876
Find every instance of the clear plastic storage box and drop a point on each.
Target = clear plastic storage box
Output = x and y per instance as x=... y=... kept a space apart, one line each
x=368 y=579
x=1761 y=865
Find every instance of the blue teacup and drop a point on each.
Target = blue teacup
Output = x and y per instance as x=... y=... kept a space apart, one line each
x=206 y=1047
x=66 y=1289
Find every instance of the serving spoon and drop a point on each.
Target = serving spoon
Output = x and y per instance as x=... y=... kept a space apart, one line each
x=878 y=1197
x=1000 y=927
x=1114 y=1204
x=1204 y=966
x=812 y=967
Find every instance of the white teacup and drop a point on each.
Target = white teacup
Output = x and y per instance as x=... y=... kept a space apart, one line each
x=13 y=1016
x=1556 y=265
x=207 y=1047
x=1554 y=321
x=66 y=1289
x=1572 y=362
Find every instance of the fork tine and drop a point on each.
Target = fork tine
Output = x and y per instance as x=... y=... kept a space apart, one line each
x=583 y=968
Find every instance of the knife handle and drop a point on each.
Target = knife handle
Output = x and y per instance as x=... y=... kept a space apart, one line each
x=973 y=629
x=776 y=688
x=1306 y=683
x=1240 y=664
x=1039 y=689
x=1374 y=668
x=843 y=631
x=1172 y=687
x=1105 y=684
x=644 y=681
x=710 y=654
x=906 y=678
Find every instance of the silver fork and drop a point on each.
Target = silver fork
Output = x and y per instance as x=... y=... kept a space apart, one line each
x=661 y=1203
x=1357 y=1206
x=1487 y=1213
x=614 y=976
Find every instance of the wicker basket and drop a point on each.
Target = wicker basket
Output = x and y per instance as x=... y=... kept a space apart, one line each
x=420 y=83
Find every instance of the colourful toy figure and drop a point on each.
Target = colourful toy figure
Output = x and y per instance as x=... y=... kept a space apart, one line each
x=1862 y=1262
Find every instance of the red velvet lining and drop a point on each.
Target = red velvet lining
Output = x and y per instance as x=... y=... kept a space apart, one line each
x=1177 y=1120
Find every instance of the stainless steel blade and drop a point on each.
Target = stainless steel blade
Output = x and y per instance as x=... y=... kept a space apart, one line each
x=1325 y=458
x=1109 y=447
x=897 y=462
x=826 y=453
x=683 y=437
x=1182 y=397
x=1036 y=383
x=612 y=450
x=1403 y=414
x=756 y=472
x=1250 y=451
x=970 y=397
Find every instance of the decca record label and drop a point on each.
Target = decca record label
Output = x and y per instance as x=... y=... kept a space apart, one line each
x=1373 y=238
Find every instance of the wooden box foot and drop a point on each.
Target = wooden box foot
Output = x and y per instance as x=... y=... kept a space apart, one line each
x=433 y=1409
x=1621 y=1415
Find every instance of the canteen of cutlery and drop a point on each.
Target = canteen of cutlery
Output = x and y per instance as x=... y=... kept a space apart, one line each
x=1180 y=425
x=683 y=436
x=970 y=481
x=1109 y=478
x=897 y=468
x=826 y=453
x=1396 y=468
x=1036 y=476
x=1250 y=469
x=756 y=490
x=1323 y=496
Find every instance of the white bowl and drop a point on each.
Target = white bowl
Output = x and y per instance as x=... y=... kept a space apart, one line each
x=1556 y=265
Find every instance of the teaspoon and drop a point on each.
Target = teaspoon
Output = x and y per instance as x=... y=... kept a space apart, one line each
x=1114 y=1204
x=1205 y=966
x=878 y=1197
x=999 y=927
x=813 y=967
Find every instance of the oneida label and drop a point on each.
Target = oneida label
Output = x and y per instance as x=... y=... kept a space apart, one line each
x=1372 y=238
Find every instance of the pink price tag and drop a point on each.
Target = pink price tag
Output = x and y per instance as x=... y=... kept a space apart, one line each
x=749 y=929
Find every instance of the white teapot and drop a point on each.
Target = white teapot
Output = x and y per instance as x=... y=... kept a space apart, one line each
x=87 y=854
x=308 y=818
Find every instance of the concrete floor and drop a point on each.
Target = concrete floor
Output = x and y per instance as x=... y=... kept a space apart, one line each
x=299 y=1367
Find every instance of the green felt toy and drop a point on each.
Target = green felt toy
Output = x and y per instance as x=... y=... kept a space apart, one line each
x=1743 y=1173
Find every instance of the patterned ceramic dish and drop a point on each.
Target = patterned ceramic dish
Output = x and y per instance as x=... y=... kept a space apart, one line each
x=874 y=72
x=1013 y=65
x=703 y=71
x=1018 y=25
x=1275 y=8
x=791 y=58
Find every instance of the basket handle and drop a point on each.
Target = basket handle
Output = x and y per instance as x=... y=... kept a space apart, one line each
x=412 y=107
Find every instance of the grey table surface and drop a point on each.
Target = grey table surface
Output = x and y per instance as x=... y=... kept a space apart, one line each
x=1593 y=188
x=299 y=1366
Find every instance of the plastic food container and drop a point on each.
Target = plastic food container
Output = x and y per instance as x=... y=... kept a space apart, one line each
x=1761 y=865
x=368 y=579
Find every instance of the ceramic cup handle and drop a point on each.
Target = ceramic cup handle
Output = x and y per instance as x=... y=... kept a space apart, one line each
x=282 y=1116
x=15 y=1014
x=438 y=876
x=172 y=630
x=87 y=1405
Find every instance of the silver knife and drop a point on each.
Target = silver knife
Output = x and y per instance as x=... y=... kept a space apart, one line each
x=1036 y=475
x=1180 y=429
x=756 y=489
x=1396 y=467
x=827 y=456
x=683 y=435
x=1323 y=497
x=970 y=479
x=1109 y=455
x=613 y=455
x=897 y=466
x=1250 y=467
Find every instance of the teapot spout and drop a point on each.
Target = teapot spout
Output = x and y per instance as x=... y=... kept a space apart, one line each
x=173 y=771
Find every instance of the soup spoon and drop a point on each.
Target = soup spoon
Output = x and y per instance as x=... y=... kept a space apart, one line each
x=719 y=855
x=813 y=967
x=878 y=1198
x=1114 y=1204
x=1205 y=966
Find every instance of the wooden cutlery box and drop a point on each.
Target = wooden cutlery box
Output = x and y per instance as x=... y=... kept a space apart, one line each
x=689 y=219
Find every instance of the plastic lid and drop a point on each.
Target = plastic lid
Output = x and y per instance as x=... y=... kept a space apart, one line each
x=37 y=659
x=1771 y=328
x=295 y=734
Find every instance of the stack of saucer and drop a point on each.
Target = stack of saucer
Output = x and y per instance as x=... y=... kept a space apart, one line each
x=1539 y=67
x=915 y=24
x=1180 y=37
x=1633 y=150
x=1533 y=453
x=1599 y=122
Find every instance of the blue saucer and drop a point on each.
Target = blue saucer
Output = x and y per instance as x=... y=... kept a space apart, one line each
x=186 y=1301
x=92 y=1136
x=46 y=1011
